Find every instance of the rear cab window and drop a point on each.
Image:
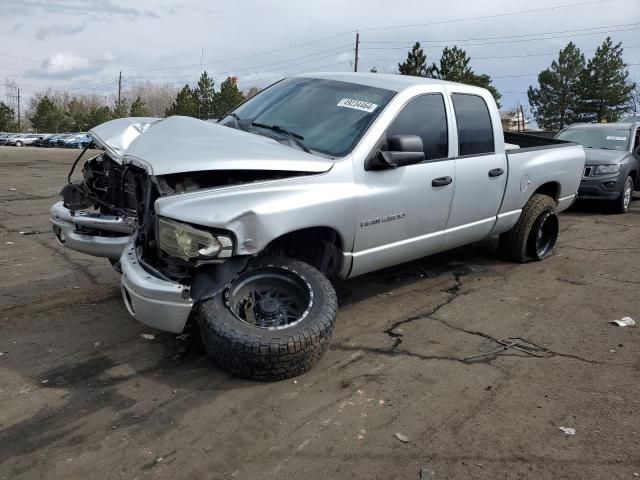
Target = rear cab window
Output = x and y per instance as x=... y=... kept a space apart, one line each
x=475 y=130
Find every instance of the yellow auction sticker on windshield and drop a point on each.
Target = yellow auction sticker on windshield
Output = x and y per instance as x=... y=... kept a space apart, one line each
x=357 y=105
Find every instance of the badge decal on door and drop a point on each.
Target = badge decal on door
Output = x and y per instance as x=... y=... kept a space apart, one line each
x=388 y=218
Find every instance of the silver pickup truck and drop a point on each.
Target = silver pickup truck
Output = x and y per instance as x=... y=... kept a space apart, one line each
x=236 y=225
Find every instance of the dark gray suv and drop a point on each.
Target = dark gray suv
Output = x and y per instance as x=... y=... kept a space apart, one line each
x=611 y=169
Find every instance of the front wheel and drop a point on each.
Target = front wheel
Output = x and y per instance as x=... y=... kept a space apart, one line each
x=624 y=202
x=18 y=144
x=273 y=321
x=536 y=232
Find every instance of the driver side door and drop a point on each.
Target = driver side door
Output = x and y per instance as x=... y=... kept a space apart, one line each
x=402 y=212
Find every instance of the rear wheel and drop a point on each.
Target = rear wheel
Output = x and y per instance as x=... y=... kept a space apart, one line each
x=273 y=321
x=624 y=202
x=18 y=144
x=535 y=234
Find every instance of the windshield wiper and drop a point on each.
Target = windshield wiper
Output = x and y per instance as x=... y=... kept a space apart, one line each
x=295 y=137
x=241 y=123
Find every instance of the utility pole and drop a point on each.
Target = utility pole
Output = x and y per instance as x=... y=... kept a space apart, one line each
x=119 y=88
x=355 y=65
x=19 y=129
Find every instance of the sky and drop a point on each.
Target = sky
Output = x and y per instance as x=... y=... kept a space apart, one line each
x=82 y=45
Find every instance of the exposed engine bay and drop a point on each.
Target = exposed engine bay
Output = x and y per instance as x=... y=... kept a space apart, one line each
x=127 y=193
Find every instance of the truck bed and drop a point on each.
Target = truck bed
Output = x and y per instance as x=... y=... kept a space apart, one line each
x=534 y=162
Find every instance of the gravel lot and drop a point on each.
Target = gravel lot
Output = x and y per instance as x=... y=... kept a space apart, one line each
x=83 y=395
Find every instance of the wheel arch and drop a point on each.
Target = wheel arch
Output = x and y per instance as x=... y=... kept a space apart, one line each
x=319 y=246
x=550 y=189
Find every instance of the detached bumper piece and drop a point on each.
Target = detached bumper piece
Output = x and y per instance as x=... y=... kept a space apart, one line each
x=158 y=303
x=69 y=230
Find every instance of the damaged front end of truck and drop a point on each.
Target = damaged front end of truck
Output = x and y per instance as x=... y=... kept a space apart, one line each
x=153 y=207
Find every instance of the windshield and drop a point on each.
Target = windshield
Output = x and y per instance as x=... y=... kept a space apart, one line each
x=605 y=138
x=327 y=115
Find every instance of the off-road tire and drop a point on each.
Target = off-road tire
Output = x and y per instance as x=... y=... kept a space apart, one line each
x=618 y=206
x=260 y=354
x=515 y=245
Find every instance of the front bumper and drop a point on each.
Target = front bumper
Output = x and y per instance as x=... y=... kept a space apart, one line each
x=601 y=187
x=66 y=228
x=158 y=303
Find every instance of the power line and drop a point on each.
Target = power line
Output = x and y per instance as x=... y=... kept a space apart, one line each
x=515 y=36
x=501 y=57
x=408 y=45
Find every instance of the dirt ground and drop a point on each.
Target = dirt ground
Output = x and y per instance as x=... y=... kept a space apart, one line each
x=83 y=395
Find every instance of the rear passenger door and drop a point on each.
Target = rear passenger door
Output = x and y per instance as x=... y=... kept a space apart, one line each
x=481 y=171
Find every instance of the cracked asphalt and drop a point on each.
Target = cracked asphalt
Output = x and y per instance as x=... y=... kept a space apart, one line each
x=83 y=395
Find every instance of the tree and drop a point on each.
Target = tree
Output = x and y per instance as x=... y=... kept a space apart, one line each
x=96 y=115
x=373 y=70
x=186 y=103
x=120 y=109
x=454 y=67
x=229 y=96
x=605 y=87
x=76 y=116
x=6 y=118
x=47 y=117
x=555 y=102
x=206 y=96
x=415 y=64
x=138 y=108
x=157 y=98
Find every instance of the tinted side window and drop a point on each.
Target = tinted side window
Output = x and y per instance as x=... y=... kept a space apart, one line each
x=475 y=133
x=426 y=117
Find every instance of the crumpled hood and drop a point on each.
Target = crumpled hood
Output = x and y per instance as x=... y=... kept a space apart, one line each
x=115 y=136
x=596 y=156
x=184 y=144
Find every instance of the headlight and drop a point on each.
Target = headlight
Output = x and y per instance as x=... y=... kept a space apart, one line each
x=606 y=169
x=186 y=242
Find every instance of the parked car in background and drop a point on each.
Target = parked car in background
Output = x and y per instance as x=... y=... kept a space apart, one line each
x=78 y=141
x=611 y=171
x=23 y=139
x=42 y=138
x=51 y=141
x=238 y=225
x=61 y=140
x=5 y=139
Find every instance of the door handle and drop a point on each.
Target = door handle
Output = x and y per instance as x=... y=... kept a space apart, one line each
x=441 y=181
x=496 y=172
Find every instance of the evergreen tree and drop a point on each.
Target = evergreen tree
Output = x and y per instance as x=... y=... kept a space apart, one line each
x=47 y=117
x=605 y=87
x=415 y=64
x=138 y=108
x=454 y=67
x=229 y=97
x=97 y=115
x=120 y=109
x=185 y=103
x=6 y=118
x=374 y=70
x=75 y=116
x=555 y=103
x=206 y=96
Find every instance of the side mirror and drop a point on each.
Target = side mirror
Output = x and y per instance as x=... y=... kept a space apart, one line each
x=402 y=150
